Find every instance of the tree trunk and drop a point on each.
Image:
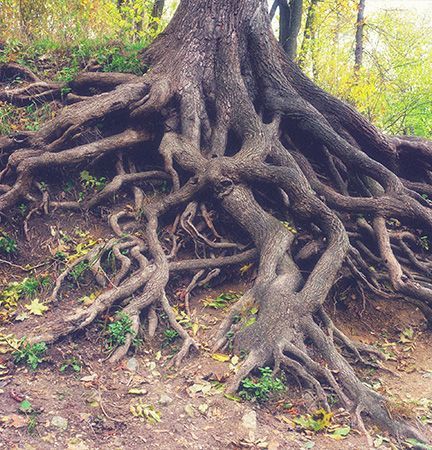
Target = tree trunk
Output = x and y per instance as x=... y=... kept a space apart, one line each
x=309 y=33
x=156 y=14
x=290 y=24
x=273 y=9
x=233 y=121
x=358 y=52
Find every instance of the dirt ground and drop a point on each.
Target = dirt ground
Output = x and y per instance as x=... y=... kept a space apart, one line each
x=93 y=408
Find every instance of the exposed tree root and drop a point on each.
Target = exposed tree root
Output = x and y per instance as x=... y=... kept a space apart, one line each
x=229 y=119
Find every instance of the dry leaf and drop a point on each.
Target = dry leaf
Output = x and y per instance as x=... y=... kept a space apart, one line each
x=36 y=307
x=221 y=357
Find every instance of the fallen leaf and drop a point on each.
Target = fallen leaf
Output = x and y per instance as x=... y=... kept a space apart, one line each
x=195 y=328
x=221 y=357
x=235 y=360
x=14 y=421
x=136 y=391
x=89 y=378
x=189 y=410
x=36 y=307
x=203 y=408
x=340 y=433
x=232 y=397
x=21 y=317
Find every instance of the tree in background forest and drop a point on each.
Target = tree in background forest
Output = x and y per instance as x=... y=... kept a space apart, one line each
x=390 y=53
x=76 y=20
x=262 y=166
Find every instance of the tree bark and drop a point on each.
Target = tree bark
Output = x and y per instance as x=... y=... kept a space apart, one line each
x=232 y=120
x=157 y=12
x=358 y=52
x=273 y=9
x=309 y=33
x=290 y=24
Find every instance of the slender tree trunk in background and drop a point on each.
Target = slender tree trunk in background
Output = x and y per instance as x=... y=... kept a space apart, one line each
x=358 y=53
x=23 y=19
x=230 y=120
x=157 y=11
x=273 y=9
x=290 y=23
x=309 y=33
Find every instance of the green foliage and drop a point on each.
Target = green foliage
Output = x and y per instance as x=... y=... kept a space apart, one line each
x=22 y=207
x=8 y=245
x=415 y=443
x=30 y=354
x=78 y=270
x=222 y=300
x=145 y=411
x=15 y=291
x=71 y=364
x=170 y=336
x=394 y=86
x=261 y=388
x=424 y=242
x=29 y=118
x=318 y=421
x=118 y=331
x=91 y=182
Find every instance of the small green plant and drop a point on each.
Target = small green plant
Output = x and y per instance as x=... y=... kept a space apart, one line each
x=91 y=182
x=261 y=388
x=32 y=423
x=60 y=256
x=71 y=364
x=27 y=288
x=318 y=421
x=222 y=300
x=170 y=336
x=68 y=186
x=22 y=207
x=118 y=330
x=424 y=242
x=78 y=271
x=27 y=409
x=43 y=186
x=30 y=354
x=8 y=245
x=31 y=286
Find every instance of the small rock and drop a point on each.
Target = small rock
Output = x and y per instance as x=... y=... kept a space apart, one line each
x=132 y=364
x=165 y=400
x=273 y=445
x=60 y=422
x=249 y=424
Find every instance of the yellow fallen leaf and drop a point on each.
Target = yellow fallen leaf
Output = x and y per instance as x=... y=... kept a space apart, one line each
x=221 y=357
x=245 y=268
x=235 y=360
x=36 y=307
x=195 y=328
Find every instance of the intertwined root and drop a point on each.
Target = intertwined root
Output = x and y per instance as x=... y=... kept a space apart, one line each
x=232 y=121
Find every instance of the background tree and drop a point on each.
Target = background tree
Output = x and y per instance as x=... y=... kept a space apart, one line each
x=290 y=20
x=359 y=35
x=229 y=120
x=308 y=34
x=157 y=11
